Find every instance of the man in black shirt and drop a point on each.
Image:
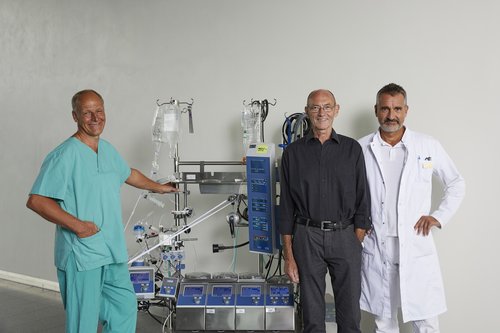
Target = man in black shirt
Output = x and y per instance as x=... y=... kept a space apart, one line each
x=325 y=205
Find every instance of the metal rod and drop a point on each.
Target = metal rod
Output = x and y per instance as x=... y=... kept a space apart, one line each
x=176 y=219
x=210 y=163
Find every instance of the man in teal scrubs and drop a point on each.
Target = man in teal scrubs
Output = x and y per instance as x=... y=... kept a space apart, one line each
x=78 y=189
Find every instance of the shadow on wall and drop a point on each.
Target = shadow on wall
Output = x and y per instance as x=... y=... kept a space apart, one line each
x=363 y=123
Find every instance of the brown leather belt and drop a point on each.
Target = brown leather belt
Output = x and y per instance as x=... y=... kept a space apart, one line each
x=324 y=225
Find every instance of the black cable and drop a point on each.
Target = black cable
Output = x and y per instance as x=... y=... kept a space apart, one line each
x=280 y=260
x=290 y=126
x=278 y=266
x=216 y=248
x=264 y=110
x=234 y=246
x=163 y=304
x=268 y=266
x=243 y=214
x=158 y=265
x=154 y=317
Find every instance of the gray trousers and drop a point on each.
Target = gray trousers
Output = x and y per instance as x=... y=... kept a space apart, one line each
x=339 y=253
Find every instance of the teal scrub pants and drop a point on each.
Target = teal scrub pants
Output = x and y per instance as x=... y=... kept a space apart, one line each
x=103 y=294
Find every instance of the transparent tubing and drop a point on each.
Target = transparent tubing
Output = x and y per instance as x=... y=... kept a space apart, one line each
x=200 y=219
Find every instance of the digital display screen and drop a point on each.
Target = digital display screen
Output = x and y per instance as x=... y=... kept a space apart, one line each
x=140 y=277
x=193 y=290
x=279 y=291
x=222 y=291
x=250 y=291
x=256 y=166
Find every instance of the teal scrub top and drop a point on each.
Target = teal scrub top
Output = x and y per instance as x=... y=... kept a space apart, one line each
x=87 y=185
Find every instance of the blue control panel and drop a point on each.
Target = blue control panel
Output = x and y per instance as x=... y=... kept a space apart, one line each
x=168 y=288
x=250 y=295
x=261 y=198
x=142 y=278
x=192 y=294
x=220 y=295
x=279 y=295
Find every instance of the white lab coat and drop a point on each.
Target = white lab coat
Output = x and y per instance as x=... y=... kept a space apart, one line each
x=421 y=287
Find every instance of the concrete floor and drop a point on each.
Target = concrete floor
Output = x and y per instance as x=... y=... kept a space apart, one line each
x=27 y=309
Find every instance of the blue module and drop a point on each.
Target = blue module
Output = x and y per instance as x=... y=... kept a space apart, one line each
x=279 y=295
x=250 y=295
x=168 y=288
x=192 y=294
x=220 y=295
x=142 y=278
x=261 y=198
x=190 y=310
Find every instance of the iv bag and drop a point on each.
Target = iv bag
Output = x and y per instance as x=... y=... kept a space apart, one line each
x=250 y=122
x=166 y=125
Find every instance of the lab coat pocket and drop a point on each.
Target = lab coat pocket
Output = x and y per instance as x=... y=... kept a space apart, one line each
x=425 y=171
x=371 y=279
x=366 y=258
x=422 y=246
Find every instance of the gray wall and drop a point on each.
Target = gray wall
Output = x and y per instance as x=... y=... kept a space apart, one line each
x=445 y=53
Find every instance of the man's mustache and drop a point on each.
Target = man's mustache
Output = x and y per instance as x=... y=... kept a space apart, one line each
x=391 y=121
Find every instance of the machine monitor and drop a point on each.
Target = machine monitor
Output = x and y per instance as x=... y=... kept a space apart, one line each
x=168 y=288
x=191 y=290
x=251 y=291
x=279 y=291
x=257 y=166
x=222 y=291
x=140 y=277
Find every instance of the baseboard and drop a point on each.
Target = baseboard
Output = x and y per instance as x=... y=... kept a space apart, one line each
x=29 y=280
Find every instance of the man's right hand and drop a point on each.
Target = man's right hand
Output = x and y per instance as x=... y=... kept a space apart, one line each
x=86 y=229
x=50 y=210
x=291 y=270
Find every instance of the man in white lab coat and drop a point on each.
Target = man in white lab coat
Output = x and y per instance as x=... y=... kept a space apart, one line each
x=400 y=266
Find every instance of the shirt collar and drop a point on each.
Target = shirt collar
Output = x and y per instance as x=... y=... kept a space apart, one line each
x=334 y=136
x=378 y=139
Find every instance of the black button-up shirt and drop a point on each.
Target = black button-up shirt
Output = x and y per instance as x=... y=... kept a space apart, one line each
x=324 y=182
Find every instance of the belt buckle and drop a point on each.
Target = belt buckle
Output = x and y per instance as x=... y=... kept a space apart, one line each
x=323 y=223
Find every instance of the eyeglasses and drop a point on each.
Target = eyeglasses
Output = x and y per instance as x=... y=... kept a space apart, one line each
x=326 y=108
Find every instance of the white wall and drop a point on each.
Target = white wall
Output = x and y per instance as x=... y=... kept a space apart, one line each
x=445 y=53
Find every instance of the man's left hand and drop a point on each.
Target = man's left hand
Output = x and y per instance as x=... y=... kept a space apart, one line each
x=425 y=223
